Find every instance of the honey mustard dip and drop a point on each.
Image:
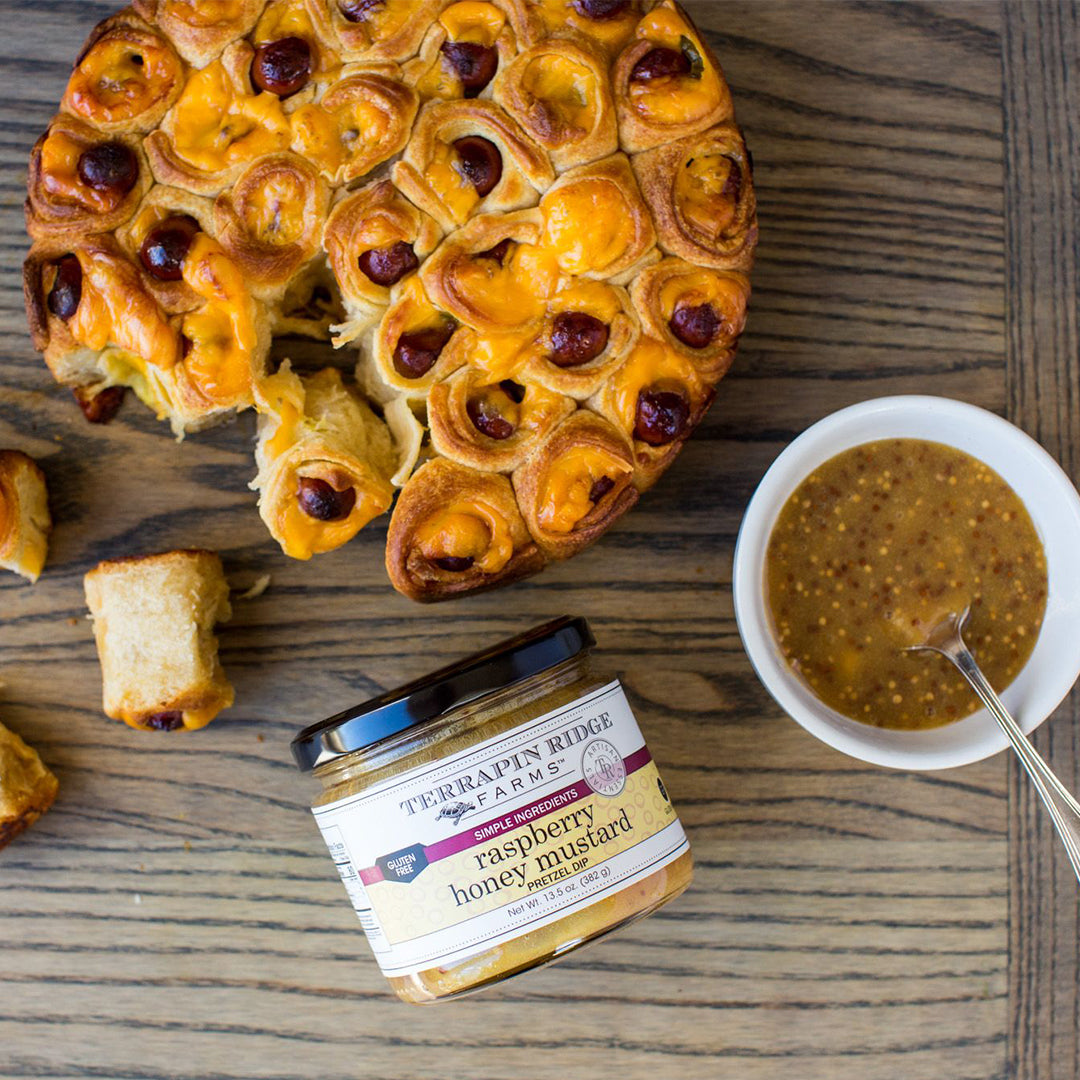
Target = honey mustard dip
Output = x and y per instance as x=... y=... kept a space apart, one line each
x=878 y=545
x=495 y=815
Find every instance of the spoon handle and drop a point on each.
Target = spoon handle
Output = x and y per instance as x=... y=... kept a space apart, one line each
x=1064 y=809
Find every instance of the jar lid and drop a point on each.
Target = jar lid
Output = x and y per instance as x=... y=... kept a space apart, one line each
x=483 y=673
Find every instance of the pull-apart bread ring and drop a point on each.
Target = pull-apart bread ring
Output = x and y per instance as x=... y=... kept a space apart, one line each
x=695 y=311
x=596 y=223
x=271 y=222
x=464 y=48
x=576 y=484
x=83 y=181
x=559 y=92
x=494 y=425
x=467 y=158
x=325 y=461
x=532 y=219
x=126 y=78
x=701 y=194
x=154 y=620
x=655 y=399
x=374 y=238
x=457 y=530
x=201 y=29
x=25 y=523
x=668 y=84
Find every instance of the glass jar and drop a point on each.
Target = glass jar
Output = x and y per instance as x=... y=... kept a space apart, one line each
x=495 y=815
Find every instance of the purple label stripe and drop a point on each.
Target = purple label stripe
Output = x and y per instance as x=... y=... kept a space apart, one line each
x=569 y=795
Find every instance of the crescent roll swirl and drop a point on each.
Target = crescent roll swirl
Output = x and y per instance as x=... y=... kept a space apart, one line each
x=596 y=223
x=467 y=44
x=697 y=312
x=25 y=523
x=363 y=120
x=494 y=425
x=558 y=91
x=701 y=193
x=576 y=485
x=218 y=127
x=655 y=399
x=408 y=351
x=271 y=221
x=374 y=238
x=126 y=78
x=83 y=181
x=200 y=29
x=457 y=530
x=324 y=459
x=587 y=331
x=668 y=83
x=492 y=274
x=608 y=23
x=374 y=29
x=467 y=158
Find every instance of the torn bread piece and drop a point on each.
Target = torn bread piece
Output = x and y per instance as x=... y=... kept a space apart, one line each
x=24 y=514
x=154 y=619
x=27 y=788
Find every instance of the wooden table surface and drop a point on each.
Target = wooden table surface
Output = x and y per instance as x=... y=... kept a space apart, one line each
x=176 y=915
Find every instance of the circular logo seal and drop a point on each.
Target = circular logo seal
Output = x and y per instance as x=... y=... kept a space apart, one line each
x=603 y=768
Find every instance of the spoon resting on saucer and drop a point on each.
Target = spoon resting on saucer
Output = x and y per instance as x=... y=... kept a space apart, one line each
x=946 y=639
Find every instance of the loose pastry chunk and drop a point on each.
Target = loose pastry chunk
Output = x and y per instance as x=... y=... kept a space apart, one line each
x=558 y=91
x=463 y=50
x=374 y=238
x=271 y=222
x=218 y=127
x=126 y=78
x=154 y=619
x=467 y=158
x=201 y=29
x=491 y=425
x=325 y=462
x=457 y=530
x=27 y=788
x=656 y=399
x=25 y=523
x=374 y=29
x=83 y=181
x=697 y=312
x=576 y=484
x=667 y=83
x=492 y=274
x=588 y=330
x=701 y=193
x=596 y=223
x=609 y=23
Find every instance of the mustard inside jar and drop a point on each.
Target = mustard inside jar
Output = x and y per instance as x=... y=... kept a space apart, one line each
x=495 y=815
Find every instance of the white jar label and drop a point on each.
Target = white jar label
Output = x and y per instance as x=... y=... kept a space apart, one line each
x=460 y=855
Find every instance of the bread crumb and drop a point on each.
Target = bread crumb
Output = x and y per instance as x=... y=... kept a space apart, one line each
x=260 y=586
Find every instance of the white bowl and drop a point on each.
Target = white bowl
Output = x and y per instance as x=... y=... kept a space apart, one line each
x=1054 y=507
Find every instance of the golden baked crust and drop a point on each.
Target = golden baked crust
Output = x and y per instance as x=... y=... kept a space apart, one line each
x=25 y=523
x=154 y=617
x=531 y=219
x=27 y=787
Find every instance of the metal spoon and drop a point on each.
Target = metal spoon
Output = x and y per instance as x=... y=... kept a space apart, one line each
x=946 y=640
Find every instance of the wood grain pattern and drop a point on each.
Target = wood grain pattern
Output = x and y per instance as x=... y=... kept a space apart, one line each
x=176 y=916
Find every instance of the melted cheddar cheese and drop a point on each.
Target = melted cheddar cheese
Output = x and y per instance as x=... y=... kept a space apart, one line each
x=704 y=196
x=449 y=182
x=60 y=155
x=513 y=293
x=567 y=93
x=273 y=212
x=380 y=21
x=675 y=99
x=467 y=530
x=415 y=310
x=203 y=14
x=221 y=332
x=216 y=126
x=651 y=364
x=114 y=310
x=564 y=497
x=303 y=536
x=152 y=385
x=335 y=138
x=587 y=224
x=7 y=519
x=613 y=32
x=594 y=298
x=474 y=21
x=498 y=356
x=116 y=81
